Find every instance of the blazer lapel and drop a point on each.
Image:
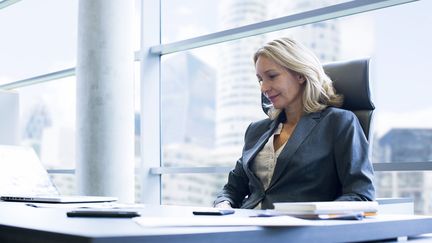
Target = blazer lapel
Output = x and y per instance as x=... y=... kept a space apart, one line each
x=302 y=130
x=249 y=154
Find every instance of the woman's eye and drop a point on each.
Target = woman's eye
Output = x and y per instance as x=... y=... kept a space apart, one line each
x=273 y=76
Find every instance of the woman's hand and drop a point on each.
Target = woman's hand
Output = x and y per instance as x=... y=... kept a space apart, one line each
x=223 y=204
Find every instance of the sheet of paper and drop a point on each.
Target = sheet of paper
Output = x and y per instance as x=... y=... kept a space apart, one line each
x=225 y=221
x=87 y=205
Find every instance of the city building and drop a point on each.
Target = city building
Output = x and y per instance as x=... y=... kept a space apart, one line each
x=406 y=145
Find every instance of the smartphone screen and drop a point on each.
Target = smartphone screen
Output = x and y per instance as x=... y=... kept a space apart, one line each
x=213 y=212
x=102 y=213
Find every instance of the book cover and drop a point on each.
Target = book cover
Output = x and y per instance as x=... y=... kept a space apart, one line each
x=327 y=207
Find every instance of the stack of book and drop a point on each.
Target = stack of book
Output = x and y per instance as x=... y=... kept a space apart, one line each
x=328 y=210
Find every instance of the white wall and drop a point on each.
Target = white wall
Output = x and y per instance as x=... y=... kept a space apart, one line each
x=9 y=117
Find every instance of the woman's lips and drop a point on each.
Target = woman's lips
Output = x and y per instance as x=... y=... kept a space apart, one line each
x=273 y=97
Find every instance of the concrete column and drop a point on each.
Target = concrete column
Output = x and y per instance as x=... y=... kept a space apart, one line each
x=105 y=99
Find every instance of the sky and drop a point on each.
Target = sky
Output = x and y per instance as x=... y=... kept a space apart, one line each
x=39 y=37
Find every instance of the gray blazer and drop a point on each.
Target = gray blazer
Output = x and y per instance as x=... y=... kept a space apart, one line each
x=325 y=159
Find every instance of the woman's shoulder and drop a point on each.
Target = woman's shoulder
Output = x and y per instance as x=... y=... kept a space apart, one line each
x=339 y=116
x=261 y=123
x=338 y=112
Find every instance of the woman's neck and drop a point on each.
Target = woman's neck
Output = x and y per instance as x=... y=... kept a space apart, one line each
x=293 y=115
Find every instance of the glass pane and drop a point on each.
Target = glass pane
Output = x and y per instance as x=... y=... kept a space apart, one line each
x=37 y=37
x=191 y=189
x=415 y=185
x=207 y=103
x=210 y=94
x=47 y=117
x=179 y=18
x=40 y=37
x=401 y=87
x=65 y=183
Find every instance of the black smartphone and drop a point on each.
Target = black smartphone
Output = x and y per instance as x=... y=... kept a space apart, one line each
x=103 y=213
x=213 y=212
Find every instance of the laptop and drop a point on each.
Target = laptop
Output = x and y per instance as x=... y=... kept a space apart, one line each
x=24 y=179
x=57 y=199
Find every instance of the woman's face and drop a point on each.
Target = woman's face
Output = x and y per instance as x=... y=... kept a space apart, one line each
x=283 y=87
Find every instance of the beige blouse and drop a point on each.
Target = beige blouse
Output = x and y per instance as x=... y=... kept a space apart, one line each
x=265 y=161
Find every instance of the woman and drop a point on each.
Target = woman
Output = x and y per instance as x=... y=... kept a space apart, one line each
x=307 y=150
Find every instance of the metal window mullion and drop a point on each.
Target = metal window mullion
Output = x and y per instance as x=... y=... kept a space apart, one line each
x=150 y=102
x=39 y=79
x=382 y=167
x=7 y=3
x=303 y=18
x=403 y=166
x=190 y=170
x=61 y=171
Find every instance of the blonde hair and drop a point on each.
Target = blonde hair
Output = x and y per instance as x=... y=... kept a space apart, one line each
x=318 y=91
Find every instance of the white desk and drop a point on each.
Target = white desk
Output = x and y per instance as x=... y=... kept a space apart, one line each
x=21 y=223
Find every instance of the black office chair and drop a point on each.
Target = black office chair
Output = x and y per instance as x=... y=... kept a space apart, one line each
x=351 y=79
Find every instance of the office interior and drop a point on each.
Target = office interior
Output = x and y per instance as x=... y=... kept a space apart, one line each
x=148 y=100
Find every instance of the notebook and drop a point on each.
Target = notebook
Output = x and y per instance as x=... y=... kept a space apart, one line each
x=333 y=207
x=23 y=178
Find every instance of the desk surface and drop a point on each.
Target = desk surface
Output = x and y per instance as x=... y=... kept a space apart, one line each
x=21 y=223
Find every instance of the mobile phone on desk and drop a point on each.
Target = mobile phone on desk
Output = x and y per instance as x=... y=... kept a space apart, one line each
x=213 y=211
x=103 y=213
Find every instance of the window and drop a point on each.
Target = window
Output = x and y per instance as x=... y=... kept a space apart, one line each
x=211 y=95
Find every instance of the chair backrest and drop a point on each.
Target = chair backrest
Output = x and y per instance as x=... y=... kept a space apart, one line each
x=350 y=79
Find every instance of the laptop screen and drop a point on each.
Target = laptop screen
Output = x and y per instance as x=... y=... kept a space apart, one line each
x=21 y=173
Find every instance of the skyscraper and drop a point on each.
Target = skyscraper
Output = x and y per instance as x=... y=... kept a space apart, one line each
x=323 y=38
x=237 y=94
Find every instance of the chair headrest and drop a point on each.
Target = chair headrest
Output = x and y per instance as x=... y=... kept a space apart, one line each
x=351 y=79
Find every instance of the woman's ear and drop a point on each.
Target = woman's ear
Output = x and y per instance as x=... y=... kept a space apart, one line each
x=301 y=78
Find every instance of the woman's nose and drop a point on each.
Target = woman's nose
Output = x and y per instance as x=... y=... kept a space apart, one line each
x=264 y=87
